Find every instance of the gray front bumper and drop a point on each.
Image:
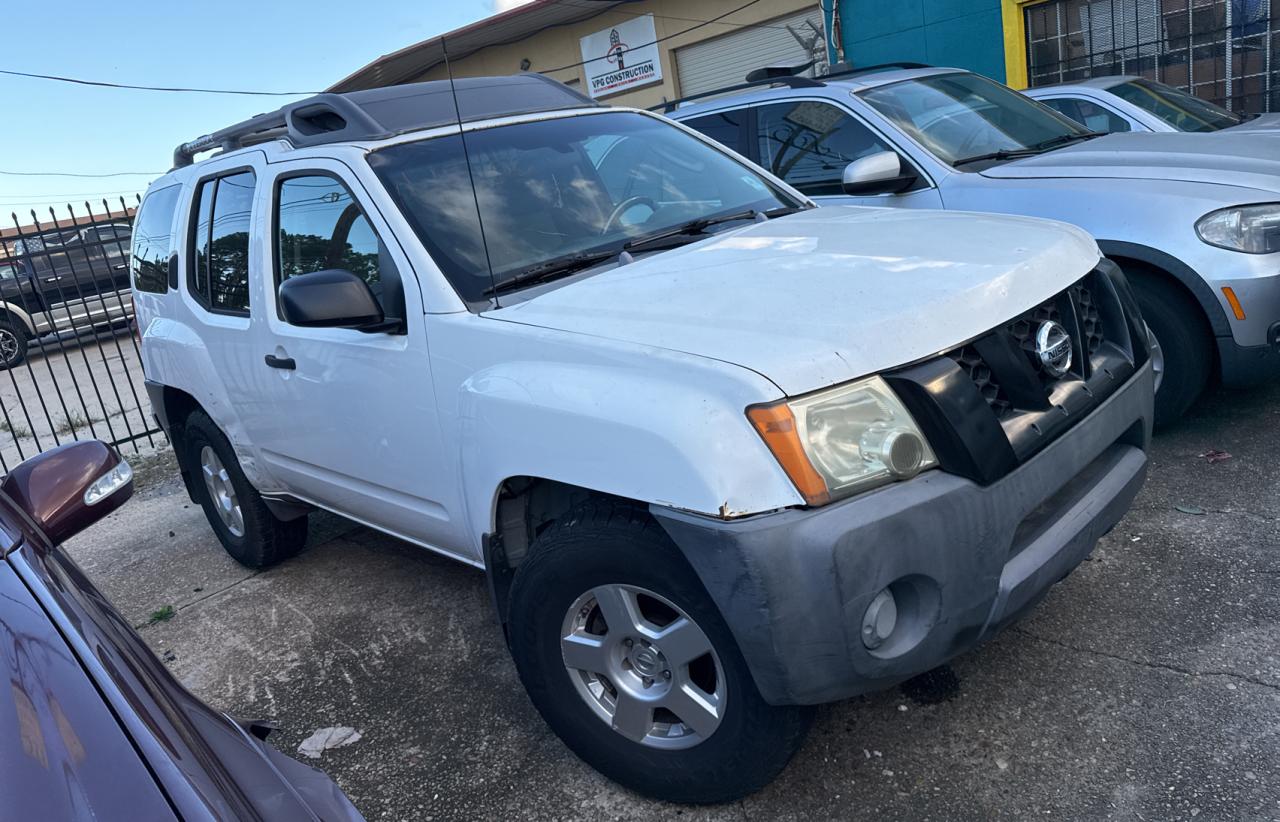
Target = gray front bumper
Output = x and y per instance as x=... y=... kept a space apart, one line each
x=962 y=559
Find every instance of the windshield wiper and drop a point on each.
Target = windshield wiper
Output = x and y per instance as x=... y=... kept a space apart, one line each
x=1063 y=139
x=567 y=264
x=697 y=227
x=551 y=269
x=1002 y=154
x=1028 y=151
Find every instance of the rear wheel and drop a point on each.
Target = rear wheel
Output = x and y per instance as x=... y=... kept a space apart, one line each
x=630 y=663
x=247 y=529
x=13 y=344
x=1183 y=345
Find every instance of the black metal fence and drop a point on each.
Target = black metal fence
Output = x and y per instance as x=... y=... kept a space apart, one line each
x=71 y=366
x=1220 y=50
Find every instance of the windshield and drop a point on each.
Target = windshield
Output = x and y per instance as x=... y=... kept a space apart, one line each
x=957 y=116
x=560 y=187
x=1177 y=108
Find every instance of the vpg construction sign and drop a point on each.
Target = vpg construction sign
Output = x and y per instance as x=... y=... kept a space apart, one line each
x=621 y=57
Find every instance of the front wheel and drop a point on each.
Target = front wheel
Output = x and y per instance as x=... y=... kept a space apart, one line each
x=630 y=663
x=1183 y=347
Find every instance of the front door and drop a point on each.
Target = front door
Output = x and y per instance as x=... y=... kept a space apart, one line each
x=809 y=143
x=348 y=418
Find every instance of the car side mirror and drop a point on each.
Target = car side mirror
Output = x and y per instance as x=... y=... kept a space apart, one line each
x=67 y=489
x=879 y=173
x=332 y=298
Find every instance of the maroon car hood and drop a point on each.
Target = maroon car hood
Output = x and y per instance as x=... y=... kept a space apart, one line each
x=205 y=764
x=62 y=753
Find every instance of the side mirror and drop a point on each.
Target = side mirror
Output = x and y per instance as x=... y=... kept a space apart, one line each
x=879 y=173
x=332 y=298
x=67 y=489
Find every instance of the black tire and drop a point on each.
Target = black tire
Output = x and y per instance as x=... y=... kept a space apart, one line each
x=13 y=344
x=607 y=542
x=1178 y=324
x=265 y=539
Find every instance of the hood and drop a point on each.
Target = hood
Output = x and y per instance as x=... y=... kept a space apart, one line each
x=825 y=295
x=1262 y=124
x=1244 y=159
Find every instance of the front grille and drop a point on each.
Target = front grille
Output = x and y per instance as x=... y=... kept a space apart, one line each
x=968 y=358
x=1090 y=319
x=994 y=403
x=1083 y=322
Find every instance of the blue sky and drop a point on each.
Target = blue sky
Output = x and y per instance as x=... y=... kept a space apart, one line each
x=247 y=44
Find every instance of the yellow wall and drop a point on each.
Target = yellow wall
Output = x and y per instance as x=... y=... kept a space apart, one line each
x=556 y=47
x=1013 y=15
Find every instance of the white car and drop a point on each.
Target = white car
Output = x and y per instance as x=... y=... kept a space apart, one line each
x=722 y=455
x=1125 y=103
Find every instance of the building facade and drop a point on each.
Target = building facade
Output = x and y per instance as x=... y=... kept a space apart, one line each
x=642 y=53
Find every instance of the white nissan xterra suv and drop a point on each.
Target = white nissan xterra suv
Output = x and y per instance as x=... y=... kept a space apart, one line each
x=722 y=455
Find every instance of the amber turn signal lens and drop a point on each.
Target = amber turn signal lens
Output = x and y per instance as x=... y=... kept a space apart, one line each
x=777 y=426
x=1236 y=308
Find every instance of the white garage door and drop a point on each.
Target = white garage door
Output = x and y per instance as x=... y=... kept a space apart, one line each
x=725 y=61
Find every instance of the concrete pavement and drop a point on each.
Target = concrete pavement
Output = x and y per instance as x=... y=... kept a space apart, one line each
x=1146 y=686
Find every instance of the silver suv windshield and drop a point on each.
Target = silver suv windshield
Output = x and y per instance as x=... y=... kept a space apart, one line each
x=1177 y=108
x=964 y=118
x=563 y=193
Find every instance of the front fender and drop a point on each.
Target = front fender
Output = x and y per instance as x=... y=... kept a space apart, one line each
x=671 y=436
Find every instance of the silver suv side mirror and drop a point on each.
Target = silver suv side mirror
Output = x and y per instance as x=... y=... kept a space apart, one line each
x=879 y=173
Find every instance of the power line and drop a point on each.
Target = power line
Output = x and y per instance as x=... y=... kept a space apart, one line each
x=72 y=174
x=55 y=195
x=104 y=84
x=715 y=19
x=656 y=16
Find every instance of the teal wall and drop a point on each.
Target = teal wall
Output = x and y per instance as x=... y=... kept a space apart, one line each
x=961 y=33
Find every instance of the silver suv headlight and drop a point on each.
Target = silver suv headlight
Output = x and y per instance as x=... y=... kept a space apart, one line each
x=843 y=440
x=1253 y=229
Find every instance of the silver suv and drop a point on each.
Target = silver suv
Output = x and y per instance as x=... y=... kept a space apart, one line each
x=1193 y=219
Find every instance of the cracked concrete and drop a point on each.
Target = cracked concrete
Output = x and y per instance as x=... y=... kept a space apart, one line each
x=1145 y=686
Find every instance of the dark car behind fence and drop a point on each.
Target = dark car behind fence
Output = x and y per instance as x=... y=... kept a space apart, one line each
x=71 y=368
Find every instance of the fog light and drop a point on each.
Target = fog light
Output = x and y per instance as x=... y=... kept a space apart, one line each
x=880 y=619
x=900 y=451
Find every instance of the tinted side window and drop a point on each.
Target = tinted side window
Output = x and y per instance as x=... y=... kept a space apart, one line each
x=220 y=263
x=1088 y=114
x=319 y=225
x=809 y=143
x=725 y=128
x=153 y=240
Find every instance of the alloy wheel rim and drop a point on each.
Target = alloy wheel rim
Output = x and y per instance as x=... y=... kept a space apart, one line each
x=221 y=491
x=1157 y=357
x=8 y=346
x=643 y=666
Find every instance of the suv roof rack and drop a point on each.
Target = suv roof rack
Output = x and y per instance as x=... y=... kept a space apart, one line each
x=774 y=75
x=373 y=114
x=790 y=81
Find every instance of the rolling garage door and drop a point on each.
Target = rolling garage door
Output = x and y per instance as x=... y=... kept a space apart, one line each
x=724 y=61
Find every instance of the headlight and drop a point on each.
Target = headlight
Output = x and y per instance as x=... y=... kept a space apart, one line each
x=1252 y=229
x=844 y=440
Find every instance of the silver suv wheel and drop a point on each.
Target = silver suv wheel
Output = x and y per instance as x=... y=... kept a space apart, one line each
x=643 y=666
x=1157 y=357
x=221 y=491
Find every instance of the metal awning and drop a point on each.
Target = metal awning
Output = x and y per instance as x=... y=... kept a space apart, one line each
x=411 y=62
